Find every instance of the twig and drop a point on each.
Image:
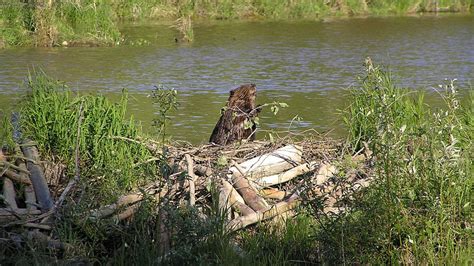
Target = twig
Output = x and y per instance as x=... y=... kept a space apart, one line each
x=10 y=165
x=73 y=181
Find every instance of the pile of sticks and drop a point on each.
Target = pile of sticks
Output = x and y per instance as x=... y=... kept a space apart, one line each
x=252 y=188
x=255 y=181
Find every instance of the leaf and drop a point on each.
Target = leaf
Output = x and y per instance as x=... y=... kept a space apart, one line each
x=274 y=109
x=256 y=121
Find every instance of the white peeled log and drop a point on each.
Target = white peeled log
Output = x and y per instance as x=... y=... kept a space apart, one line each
x=270 y=163
x=286 y=176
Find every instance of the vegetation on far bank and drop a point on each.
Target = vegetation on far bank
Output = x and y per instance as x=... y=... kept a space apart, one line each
x=418 y=209
x=95 y=22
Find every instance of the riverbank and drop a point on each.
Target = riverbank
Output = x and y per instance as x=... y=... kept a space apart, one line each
x=417 y=159
x=95 y=23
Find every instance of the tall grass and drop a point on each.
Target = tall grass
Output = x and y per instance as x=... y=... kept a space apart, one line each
x=85 y=22
x=50 y=116
x=418 y=209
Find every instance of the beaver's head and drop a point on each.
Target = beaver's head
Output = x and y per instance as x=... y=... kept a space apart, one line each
x=247 y=92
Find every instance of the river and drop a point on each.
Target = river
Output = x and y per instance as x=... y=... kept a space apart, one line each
x=306 y=64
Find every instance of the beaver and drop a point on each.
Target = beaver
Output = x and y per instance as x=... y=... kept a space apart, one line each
x=240 y=110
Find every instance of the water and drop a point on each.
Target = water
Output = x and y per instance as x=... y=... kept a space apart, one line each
x=305 y=64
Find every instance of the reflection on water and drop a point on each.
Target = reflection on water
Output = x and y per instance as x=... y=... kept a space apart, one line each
x=305 y=64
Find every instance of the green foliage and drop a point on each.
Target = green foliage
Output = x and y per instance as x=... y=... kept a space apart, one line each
x=418 y=206
x=165 y=100
x=76 y=22
x=50 y=116
x=282 y=243
x=95 y=22
x=6 y=132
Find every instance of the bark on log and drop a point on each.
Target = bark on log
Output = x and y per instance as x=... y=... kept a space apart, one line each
x=37 y=177
x=271 y=163
x=238 y=113
x=229 y=197
x=248 y=192
x=286 y=176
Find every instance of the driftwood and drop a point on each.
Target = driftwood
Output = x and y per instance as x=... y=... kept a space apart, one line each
x=192 y=179
x=271 y=163
x=229 y=197
x=269 y=212
x=273 y=193
x=324 y=173
x=17 y=177
x=248 y=192
x=9 y=194
x=236 y=121
x=286 y=176
x=30 y=198
x=37 y=177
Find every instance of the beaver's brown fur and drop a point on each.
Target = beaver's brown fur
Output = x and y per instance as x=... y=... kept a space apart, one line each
x=239 y=109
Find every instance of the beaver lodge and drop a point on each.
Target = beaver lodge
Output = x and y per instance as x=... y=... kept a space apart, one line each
x=248 y=181
x=254 y=182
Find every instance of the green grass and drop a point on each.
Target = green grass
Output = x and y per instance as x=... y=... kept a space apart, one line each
x=419 y=209
x=50 y=116
x=95 y=22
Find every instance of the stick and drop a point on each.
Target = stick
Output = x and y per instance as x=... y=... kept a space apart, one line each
x=232 y=198
x=286 y=176
x=17 y=177
x=249 y=193
x=9 y=194
x=192 y=188
x=273 y=193
x=269 y=212
x=30 y=198
x=271 y=163
x=37 y=178
x=12 y=166
x=77 y=170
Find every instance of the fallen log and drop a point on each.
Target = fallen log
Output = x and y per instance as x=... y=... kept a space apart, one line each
x=192 y=179
x=37 y=177
x=325 y=172
x=30 y=198
x=9 y=194
x=229 y=197
x=271 y=163
x=286 y=176
x=269 y=212
x=248 y=192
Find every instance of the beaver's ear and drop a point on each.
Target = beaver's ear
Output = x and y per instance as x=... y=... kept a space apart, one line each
x=253 y=85
x=232 y=92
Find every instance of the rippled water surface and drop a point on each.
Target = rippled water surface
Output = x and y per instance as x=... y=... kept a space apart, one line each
x=305 y=64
